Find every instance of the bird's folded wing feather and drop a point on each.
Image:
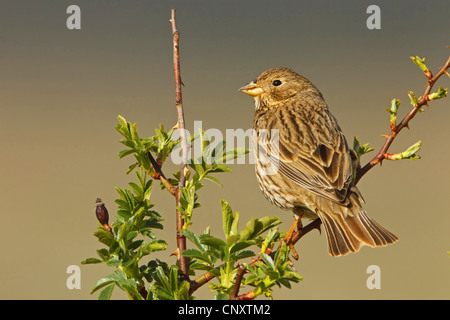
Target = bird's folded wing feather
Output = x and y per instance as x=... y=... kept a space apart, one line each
x=312 y=152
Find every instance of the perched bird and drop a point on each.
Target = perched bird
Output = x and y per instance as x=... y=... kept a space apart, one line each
x=304 y=164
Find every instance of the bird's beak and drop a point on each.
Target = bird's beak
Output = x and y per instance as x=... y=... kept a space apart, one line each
x=252 y=89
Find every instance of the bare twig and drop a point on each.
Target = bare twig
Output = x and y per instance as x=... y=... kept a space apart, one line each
x=382 y=154
x=181 y=239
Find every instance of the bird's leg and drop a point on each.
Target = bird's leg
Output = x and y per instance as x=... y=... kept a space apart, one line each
x=296 y=225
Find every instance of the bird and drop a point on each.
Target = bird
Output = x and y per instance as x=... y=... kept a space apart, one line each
x=303 y=162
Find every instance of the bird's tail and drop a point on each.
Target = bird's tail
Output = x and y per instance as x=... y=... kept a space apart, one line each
x=349 y=228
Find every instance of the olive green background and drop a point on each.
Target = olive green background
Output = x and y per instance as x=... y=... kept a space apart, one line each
x=61 y=91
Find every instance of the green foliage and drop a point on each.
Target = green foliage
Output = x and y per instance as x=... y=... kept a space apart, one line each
x=227 y=253
x=160 y=144
x=132 y=237
x=360 y=150
x=167 y=285
x=271 y=271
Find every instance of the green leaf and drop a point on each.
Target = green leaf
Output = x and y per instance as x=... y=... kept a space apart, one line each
x=135 y=244
x=193 y=253
x=221 y=296
x=241 y=245
x=231 y=240
x=442 y=93
x=122 y=120
x=155 y=245
x=360 y=149
x=123 y=215
x=248 y=231
x=104 y=236
x=124 y=153
x=268 y=260
x=91 y=261
x=137 y=189
x=183 y=292
x=234 y=154
x=265 y=223
x=213 y=179
x=422 y=65
x=270 y=237
x=413 y=98
x=106 y=293
x=255 y=227
x=194 y=239
x=104 y=282
x=212 y=241
x=131 y=235
x=395 y=103
x=227 y=217
x=114 y=262
x=103 y=254
x=244 y=254
x=410 y=153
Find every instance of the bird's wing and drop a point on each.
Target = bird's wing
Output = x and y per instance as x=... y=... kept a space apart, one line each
x=312 y=151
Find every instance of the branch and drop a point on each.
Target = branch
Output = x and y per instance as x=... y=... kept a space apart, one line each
x=315 y=224
x=159 y=175
x=237 y=282
x=395 y=129
x=181 y=239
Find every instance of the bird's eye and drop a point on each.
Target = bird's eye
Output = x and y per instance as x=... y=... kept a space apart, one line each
x=276 y=83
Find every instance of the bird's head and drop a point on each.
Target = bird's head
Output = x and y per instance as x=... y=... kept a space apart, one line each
x=277 y=84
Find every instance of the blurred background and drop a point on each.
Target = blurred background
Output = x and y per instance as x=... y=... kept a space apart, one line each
x=61 y=91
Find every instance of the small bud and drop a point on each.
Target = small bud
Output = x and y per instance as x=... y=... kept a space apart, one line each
x=422 y=65
x=413 y=98
x=442 y=93
x=102 y=214
x=395 y=103
x=360 y=149
x=410 y=153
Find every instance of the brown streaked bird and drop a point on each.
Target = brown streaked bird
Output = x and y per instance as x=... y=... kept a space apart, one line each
x=304 y=164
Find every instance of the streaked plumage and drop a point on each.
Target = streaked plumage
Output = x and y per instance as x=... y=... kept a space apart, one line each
x=304 y=163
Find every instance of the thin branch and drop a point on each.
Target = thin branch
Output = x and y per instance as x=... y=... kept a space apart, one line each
x=181 y=239
x=404 y=123
x=200 y=281
x=237 y=282
x=315 y=224
x=178 y=99
x=159 y=175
